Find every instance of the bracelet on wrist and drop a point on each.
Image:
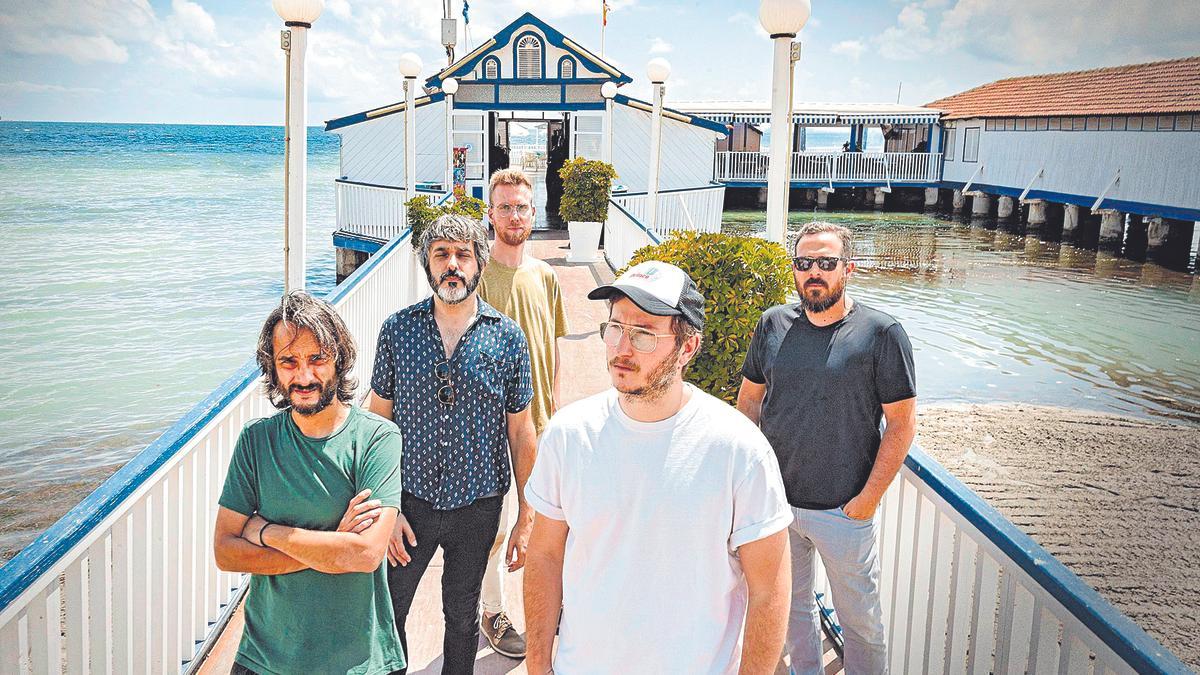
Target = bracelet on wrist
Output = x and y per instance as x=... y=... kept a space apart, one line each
x=260 y=533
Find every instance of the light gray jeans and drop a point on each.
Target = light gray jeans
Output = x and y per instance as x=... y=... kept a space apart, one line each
x=848 y=550
x=491 y=594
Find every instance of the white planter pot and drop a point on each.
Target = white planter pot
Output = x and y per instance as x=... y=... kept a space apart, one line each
x=585 y=240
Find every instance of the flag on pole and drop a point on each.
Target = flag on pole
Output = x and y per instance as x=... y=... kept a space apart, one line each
x=604 y=13
x=466 y=6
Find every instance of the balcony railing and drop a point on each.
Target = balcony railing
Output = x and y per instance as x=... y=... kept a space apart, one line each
x=834 y=168
x=375 y=211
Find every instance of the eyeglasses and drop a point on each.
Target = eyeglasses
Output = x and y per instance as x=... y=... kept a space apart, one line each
x=509 y=209
x=825 y=263
x=642 y=340
x=445 y=393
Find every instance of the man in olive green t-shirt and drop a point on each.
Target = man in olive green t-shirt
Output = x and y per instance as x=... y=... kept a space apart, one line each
x=295 y=513
x=526 y=290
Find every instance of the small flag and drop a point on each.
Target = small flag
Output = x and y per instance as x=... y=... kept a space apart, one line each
x=466 y=6
x=604 y=13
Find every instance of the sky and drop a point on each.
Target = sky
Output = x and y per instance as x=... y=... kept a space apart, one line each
x=218 y=61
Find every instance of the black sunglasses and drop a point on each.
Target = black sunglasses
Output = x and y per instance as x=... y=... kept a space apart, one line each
x=825 y=263
x=445 y=393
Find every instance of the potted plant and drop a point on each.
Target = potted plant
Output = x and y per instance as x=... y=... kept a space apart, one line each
x=586 y=183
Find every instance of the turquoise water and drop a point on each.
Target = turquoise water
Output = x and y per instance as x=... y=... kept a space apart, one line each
x=138 y=264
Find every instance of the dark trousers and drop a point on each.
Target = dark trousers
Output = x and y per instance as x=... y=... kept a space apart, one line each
x=465 y=536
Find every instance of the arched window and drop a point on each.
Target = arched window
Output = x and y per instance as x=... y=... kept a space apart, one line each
x=491 y=69
x=529 y=57
x=566 y=68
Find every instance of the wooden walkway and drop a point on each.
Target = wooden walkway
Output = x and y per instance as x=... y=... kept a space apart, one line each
x=584 y=373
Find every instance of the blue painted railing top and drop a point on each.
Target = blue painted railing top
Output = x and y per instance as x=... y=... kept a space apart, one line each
x=711 y=186
x=1141 y=651
x=45 y=551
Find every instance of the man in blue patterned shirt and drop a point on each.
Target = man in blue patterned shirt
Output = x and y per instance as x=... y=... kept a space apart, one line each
x=453 y=374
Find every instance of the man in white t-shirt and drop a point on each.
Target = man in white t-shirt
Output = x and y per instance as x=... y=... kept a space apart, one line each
x=661 y=521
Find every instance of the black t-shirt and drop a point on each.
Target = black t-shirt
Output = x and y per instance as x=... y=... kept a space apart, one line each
x=825 y=390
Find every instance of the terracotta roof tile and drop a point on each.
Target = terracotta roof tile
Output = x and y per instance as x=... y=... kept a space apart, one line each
x=1161 y=87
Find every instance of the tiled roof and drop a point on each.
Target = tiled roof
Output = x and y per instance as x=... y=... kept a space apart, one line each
x=1147 y=88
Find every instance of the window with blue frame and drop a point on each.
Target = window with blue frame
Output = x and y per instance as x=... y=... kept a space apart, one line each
x=491 y=69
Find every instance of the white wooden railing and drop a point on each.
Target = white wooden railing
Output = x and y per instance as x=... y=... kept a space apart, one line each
x=873 y=168
x=965 y=591
x=375 y=211
x=126 y=581
x=695 y=209
x=624 y=234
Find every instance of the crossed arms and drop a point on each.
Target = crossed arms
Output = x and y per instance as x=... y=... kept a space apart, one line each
x=358 y=545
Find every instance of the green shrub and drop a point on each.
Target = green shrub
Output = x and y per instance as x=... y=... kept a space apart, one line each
x=586 y=183
x=422 y=212
x=740 y=277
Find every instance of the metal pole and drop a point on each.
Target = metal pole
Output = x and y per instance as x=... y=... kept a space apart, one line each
x=449 y=143
x=655 y=147
x=410 y=139
x=296 y=154
x=777 y=171
x=607 y=146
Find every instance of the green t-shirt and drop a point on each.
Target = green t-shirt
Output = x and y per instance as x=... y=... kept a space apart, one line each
x=309 y=621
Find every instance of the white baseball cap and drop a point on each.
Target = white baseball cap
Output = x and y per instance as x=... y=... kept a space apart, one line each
x=658 y=288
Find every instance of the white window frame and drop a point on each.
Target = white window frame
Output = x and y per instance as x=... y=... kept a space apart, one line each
x=491 y=69
x=529 y=57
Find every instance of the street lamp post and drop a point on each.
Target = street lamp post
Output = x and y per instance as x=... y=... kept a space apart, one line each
x=298 y=16
x=449 y=88
x=659 y=70
x=782 y=19
x=410 y=68
x=608 y=90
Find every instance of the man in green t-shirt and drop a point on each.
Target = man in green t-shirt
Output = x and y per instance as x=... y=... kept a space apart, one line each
x=526 y=290
x=295 y=512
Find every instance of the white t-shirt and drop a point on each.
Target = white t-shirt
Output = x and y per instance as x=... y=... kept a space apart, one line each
x=656 y=511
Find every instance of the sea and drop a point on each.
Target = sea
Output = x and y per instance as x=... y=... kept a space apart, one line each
x=139 y=261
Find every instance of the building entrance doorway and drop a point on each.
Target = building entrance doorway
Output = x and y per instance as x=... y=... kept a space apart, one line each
x=537 y=144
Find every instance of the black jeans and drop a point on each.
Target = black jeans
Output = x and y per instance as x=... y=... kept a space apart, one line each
x=466 y=536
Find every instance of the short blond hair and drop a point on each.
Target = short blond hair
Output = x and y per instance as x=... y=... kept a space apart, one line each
x=508 y=177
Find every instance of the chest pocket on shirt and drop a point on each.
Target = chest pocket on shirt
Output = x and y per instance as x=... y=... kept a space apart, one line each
x=485 y=374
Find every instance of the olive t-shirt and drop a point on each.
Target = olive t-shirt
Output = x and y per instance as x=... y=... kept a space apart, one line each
x=825 y=390
x=309 y=621
x=530 y=295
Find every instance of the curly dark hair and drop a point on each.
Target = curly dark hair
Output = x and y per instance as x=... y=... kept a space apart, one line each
x=303 y=311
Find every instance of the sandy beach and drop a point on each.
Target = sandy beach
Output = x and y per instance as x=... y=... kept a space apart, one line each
x=1116 y=499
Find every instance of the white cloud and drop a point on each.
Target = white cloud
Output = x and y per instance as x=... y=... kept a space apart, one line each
x=747 y=21
x=1045 y=35
x=78 y=48
x=22 y=87
x=854 y=49
x=660 y=46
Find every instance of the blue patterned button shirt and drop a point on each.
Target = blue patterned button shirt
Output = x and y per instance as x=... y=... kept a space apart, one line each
x=453 y=454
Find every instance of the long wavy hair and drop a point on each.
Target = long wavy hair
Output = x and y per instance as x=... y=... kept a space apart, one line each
x=300 y=310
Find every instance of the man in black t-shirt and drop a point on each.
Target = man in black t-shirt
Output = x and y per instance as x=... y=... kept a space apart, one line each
x=818 y=378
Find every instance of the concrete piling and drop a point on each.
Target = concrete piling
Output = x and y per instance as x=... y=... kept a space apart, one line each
x=959 y=201
x=1112 y=228
x=880 y=198
x=1037 y=214
x=981 y=205
x=931 y=197
x=1070 y=219
x=1005 y=207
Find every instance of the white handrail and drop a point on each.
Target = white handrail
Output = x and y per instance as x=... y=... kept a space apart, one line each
x=696 y=209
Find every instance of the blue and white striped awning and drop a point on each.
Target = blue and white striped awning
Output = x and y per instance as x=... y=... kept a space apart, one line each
x=809 y=114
